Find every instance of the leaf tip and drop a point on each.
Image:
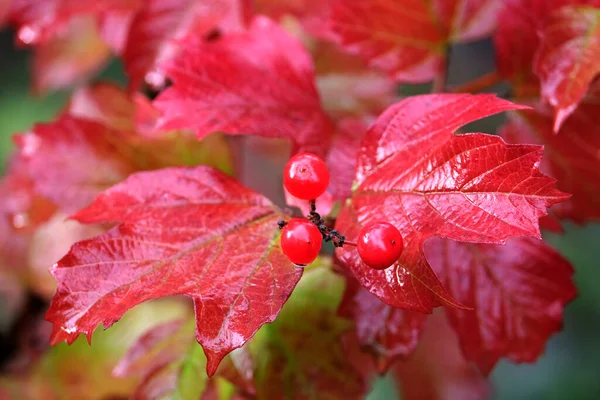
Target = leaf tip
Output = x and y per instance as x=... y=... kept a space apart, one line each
x=213 y=359
x=560 y=116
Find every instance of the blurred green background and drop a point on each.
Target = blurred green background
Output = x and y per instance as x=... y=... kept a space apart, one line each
x=570 y=369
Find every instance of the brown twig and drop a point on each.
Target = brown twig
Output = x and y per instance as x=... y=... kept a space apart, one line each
x=478 y=84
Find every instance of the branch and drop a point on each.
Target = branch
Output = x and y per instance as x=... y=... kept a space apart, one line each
x=478 y=84
x=441 y=79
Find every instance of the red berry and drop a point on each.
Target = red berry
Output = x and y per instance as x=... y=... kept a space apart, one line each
x=379 y=245
x=301 y=241
x=306 y=176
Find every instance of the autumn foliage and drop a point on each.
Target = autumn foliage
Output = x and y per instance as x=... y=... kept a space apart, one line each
x=142 y=192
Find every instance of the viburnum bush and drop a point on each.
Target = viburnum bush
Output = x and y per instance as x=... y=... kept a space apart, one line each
x=142 y=192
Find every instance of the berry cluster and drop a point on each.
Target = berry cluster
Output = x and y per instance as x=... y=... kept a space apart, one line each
x=306 y=177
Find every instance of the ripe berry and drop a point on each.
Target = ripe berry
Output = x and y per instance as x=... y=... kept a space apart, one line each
x=379 y=245
x=301 y=241
x=306 y=176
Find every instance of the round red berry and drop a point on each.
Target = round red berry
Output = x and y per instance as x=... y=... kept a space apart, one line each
x=379 y=245
x=301 y=241
x=306 y=176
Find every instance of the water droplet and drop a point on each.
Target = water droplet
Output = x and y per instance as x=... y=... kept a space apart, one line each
x=401 y=274
x=69 y=330
x=156 y=79
x=30 y=145
x=28 y=34
x=20 y=220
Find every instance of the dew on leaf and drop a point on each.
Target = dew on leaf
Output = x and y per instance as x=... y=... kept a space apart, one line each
x=20 y=220
x=28 y=34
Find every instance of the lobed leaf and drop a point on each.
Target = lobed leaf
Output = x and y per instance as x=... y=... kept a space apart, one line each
x=83 y=158
x=169 y=362
x=416 y=174
x=387 y=333
x=408 y=39
x=40 y=20
x=571 y=157
x=156 y=28
x=70 y=57
x=568 y=58
x=519 y=291
x=438 y=370
x=274 y=97
x=183 y=231
x=98 y=142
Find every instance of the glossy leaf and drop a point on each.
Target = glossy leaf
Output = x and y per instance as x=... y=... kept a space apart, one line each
x=274 y=97
x=568 y=58
x=408 y=39
x=387 y=333
x=300 y=355
x=416 y=174
x=572 y=157
x=519 y=291
x=179 y=231
x=159 y=25
x=438 y=370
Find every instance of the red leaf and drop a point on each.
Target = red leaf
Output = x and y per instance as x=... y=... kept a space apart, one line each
x=438 y=370
x=517 y=40
x=4 y=10
x=49 y=243
x=74 y=55
x=103 y=144
x=104 y=103
x=39 y=20
x=21 y=207
x=387 y=333
x=312 y=14
x=157 y=27
x=72 y=160
x=347 y=86
x=160 y=345
x=416 y=174
x=571 y=157
x=275 y=96
x=408 y=40
x=193 y=232
x=114 y=28
x=169 y=361
x=568 y=58
x=519 y=291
